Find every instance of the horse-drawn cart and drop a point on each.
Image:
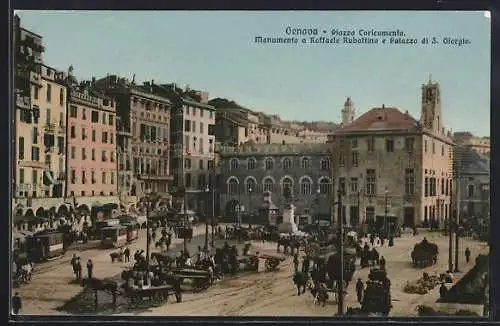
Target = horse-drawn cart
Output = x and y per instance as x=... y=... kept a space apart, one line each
x=272 y=261
x=200 y=279
x=248 y=262
x=154 y=294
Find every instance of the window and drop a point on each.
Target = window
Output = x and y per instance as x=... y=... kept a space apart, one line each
x=201 y=164
x=305 y=163
x=21 y=176
x=342 y=185
x=84 y=134
x=193 y=126
x=35 y=135
x=286 y=184
x=426 y=187
x=111 y=119
x=201 y=113
x=446 y=192
x=84 y=153
x=112 y=178
x=232 y=186
x=73 y=176
x=325 y=164
x=251 y=164
x=251 y=186
x=61 y=96
x=233 y=164
x=187 y=163
x=305 y=186
x=111 y=138
x=433 y=148
x=187 y=125
x=21 y=148
x=341 y=159
x=268 y=185
x=354 y=185
x=201 y=149
x=84 y=179
x=409 y=182
x=104 y=137
x=425 y=146
x=287 y=163
x=95 y=117
x=73 y=132
x=84 y=114
x=210 y=165
x=93 y=179
x=93 y=135
x=354 y=143
x=186 y=143
x=104 y=115
x=471 y=190
x=269 y=163
x=324 y=186
x=47 y=117
x=112 y=157
x=370 y=144
x=442 y=186
x=93 y=154
x=103 y=156
x=355 y=158
x=409 y=144
x=49 y=93
x=370 y=213
x=201 y=127
x=442 y=150
x=371 y=182
x=35 y=92
x=73 y=111
x=389 y=145
x=103 y=178
x=73 y=152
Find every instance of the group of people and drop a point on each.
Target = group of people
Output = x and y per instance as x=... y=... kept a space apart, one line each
x=22 y=270
x=77 y=267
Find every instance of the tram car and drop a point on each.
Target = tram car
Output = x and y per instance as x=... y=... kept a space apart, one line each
x=132 y=231
x=114 y=236
x=105 y=223
x=45 y=246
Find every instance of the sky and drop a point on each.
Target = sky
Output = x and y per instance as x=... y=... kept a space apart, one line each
x=215 y=52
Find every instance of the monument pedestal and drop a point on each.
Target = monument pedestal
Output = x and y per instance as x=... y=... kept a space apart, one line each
x=288 y=225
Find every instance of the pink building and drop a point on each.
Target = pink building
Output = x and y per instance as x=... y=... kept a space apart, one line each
x=91 y=138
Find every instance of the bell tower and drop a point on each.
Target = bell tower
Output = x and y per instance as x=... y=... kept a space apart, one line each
x=431 y=117
x=348 y=112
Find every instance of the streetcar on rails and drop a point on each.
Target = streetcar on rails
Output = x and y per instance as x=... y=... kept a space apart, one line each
x=132 y=231
x=114 y=236
x=45 y=246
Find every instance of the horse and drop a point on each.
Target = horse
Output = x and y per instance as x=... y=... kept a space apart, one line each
x=300 y=280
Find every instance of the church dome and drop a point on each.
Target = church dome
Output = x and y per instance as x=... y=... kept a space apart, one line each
x=349 y=102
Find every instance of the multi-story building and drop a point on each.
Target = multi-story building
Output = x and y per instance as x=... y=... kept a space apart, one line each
x=192 y=133
x=236 y=125
x=479 y=144
x=248 y=171
x=39 y=132
x=145 y=116
x=387 y=162
x=91 y=134
x=472 y=179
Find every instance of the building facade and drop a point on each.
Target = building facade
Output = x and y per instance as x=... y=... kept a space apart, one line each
x=481 y=145
x=388 y=163
x=91 y=134
x=144 y=135
x=248 y=171
x=472 y=180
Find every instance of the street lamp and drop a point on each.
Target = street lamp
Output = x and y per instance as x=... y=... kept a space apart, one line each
x=318 y=192
x=386 y=211
x=359 y=211
x=148 y=236
x=340 y=286
x=250 y=191
x=207 y=192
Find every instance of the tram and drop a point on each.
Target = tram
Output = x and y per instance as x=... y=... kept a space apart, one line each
x=45 y=245
x=114 y=236
x=132 y=231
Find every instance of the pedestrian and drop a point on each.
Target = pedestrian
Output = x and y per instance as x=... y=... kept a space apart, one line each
x=177 y=290
x=296 y=261
x=78 y=269
x=16 y=304
x=467 y=255
x=360 y=287
x=126 y=254
x=382 y=262
x=153 y=235
x=90 y=267
x=443 y=290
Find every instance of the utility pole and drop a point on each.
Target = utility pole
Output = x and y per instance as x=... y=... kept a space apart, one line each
x=450 y=231
x=359 y=212
x=212 y=215
x=386 y=212
x=207 y=197
x=456 y=223
x=340 y=286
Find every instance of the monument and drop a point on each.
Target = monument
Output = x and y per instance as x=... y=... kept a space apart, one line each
x=268 y=210
x=288 y=224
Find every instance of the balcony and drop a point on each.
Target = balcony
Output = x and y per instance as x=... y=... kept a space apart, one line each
x=35 y=79
x=126 y=133
x=33 y=164
x=23 y=102
x=153 y=177
x=49 y=128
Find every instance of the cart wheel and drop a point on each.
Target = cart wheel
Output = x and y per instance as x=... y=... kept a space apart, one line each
x=157 y=297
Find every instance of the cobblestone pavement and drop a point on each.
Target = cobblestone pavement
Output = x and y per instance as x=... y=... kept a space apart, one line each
x=261 y=294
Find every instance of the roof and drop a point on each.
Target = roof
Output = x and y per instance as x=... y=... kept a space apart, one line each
x=468 y=161
x=381 y=119
x=470 y=288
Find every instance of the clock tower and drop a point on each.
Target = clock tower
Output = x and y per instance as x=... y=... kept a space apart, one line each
x=431 y=117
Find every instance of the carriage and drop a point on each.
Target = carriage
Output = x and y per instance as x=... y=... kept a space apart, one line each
x=377 y=295
x=45 y=246
x=155 y=294
x=424 y=254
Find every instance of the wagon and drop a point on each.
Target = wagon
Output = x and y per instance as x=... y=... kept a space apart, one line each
x=200 y=279
x=272 y=262
x=154 y=294
x=249 y=262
